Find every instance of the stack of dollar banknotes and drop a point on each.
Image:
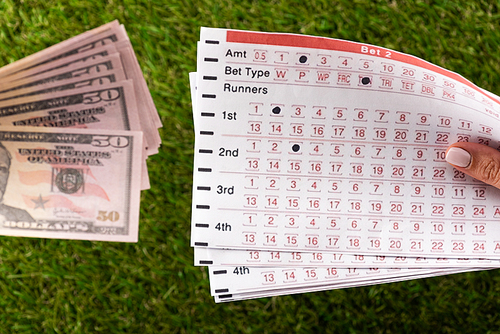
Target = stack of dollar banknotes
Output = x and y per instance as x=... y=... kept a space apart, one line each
x=77 y=123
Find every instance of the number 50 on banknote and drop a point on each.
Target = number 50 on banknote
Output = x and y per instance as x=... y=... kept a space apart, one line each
x=70 y=184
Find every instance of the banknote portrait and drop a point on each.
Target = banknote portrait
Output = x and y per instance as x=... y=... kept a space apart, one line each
x=9 y=213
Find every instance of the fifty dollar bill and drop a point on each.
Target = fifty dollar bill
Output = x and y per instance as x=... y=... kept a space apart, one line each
x=70 y=183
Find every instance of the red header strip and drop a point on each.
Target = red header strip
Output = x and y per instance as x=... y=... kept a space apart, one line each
x=324 y=43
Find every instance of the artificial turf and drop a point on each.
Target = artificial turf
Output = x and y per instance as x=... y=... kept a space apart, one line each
x=62 y=286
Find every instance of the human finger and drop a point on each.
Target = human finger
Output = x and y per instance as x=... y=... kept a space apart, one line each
x=479 y=161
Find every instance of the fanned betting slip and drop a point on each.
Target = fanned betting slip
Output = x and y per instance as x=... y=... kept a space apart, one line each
x=320 y=164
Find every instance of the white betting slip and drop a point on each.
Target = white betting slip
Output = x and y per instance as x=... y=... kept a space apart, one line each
x=309 y=145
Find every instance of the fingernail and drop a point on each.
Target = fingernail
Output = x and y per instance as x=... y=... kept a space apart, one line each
x=458 y=157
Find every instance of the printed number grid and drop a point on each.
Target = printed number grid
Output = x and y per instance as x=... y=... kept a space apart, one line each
x=337 y=151
x=313 y=181
x=222 y=257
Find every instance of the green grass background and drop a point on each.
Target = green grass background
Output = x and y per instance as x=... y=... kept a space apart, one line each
x=58 y=286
